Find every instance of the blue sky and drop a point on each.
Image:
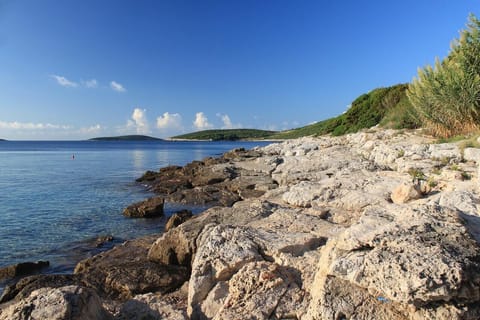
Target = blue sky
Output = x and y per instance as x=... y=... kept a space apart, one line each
x=79 y=69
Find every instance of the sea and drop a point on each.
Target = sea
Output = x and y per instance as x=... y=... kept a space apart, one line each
x=58 y=197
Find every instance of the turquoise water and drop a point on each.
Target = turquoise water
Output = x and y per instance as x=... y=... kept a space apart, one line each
x=51 y=205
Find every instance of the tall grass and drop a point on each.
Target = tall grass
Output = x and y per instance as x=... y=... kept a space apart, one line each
x=446 y=96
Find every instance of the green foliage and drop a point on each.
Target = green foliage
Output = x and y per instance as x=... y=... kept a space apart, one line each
x=388 y=107
x=416 y=174
x=227 y=134
x=447 y=96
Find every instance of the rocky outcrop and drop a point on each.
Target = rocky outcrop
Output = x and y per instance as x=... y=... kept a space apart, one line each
x=124 y=272
x=212 y=181
x=373 y=225
x=150 y=208
x=22 y=269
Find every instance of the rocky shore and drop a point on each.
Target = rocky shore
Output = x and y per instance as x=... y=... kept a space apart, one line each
x=373 y=225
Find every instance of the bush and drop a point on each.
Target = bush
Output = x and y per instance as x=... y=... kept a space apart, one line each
x=446 y=96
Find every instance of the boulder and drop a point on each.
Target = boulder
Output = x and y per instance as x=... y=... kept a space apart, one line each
x=406 y=192
x=222 y=251
x=150 y=208
x=64 y=303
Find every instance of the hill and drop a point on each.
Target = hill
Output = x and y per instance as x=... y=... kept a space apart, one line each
x=388 y=107
x=127 y=138
x=227 y=134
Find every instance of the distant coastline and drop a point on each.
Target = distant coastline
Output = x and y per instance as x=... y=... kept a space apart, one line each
x=127 y=138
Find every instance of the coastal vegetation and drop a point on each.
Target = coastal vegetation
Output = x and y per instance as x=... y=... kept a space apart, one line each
x=227 y=134
x=443 y=99
x=388 y=107
x=126 y=138
x=447 y=96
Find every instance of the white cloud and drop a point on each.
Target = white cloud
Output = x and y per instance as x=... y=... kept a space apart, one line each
x=15 y=125
x=64 y=82
x=91 y=130
x=169 y=121
x=201 y=122
x=92 y=83
x=227 y=122
x=117 y=87
x=139 y=121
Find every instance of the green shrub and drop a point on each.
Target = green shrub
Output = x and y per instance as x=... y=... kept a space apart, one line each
x=446 y=96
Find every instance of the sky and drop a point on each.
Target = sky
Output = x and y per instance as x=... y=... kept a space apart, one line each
x=77 y=69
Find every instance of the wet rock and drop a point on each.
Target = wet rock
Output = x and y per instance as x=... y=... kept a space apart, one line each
x=22 y=269
x=64 y=303
x=150 y=208
x=177 y=219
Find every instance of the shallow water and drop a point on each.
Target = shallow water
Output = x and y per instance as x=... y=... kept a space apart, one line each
x=52 y=205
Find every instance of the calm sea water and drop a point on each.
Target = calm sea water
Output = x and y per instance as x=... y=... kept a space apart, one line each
x=51 y=205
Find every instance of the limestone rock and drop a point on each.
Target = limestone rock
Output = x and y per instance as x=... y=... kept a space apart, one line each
x=177 y=219
x=222 y=251
x=64 y=303
x=256 y=291
x=405 y=193
x=25 y=286
x=150 y=208
x=151 y=306
x=178 y=245
x=423 y=257
x=472 y=154
x=125 y=271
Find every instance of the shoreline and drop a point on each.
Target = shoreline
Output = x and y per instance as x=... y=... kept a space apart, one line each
x=288 y=219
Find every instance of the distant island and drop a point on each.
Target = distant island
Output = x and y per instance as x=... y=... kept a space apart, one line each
x=126 y=138
x=226 y=134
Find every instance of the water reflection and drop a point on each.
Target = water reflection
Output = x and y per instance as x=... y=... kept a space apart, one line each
x=138 y=159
